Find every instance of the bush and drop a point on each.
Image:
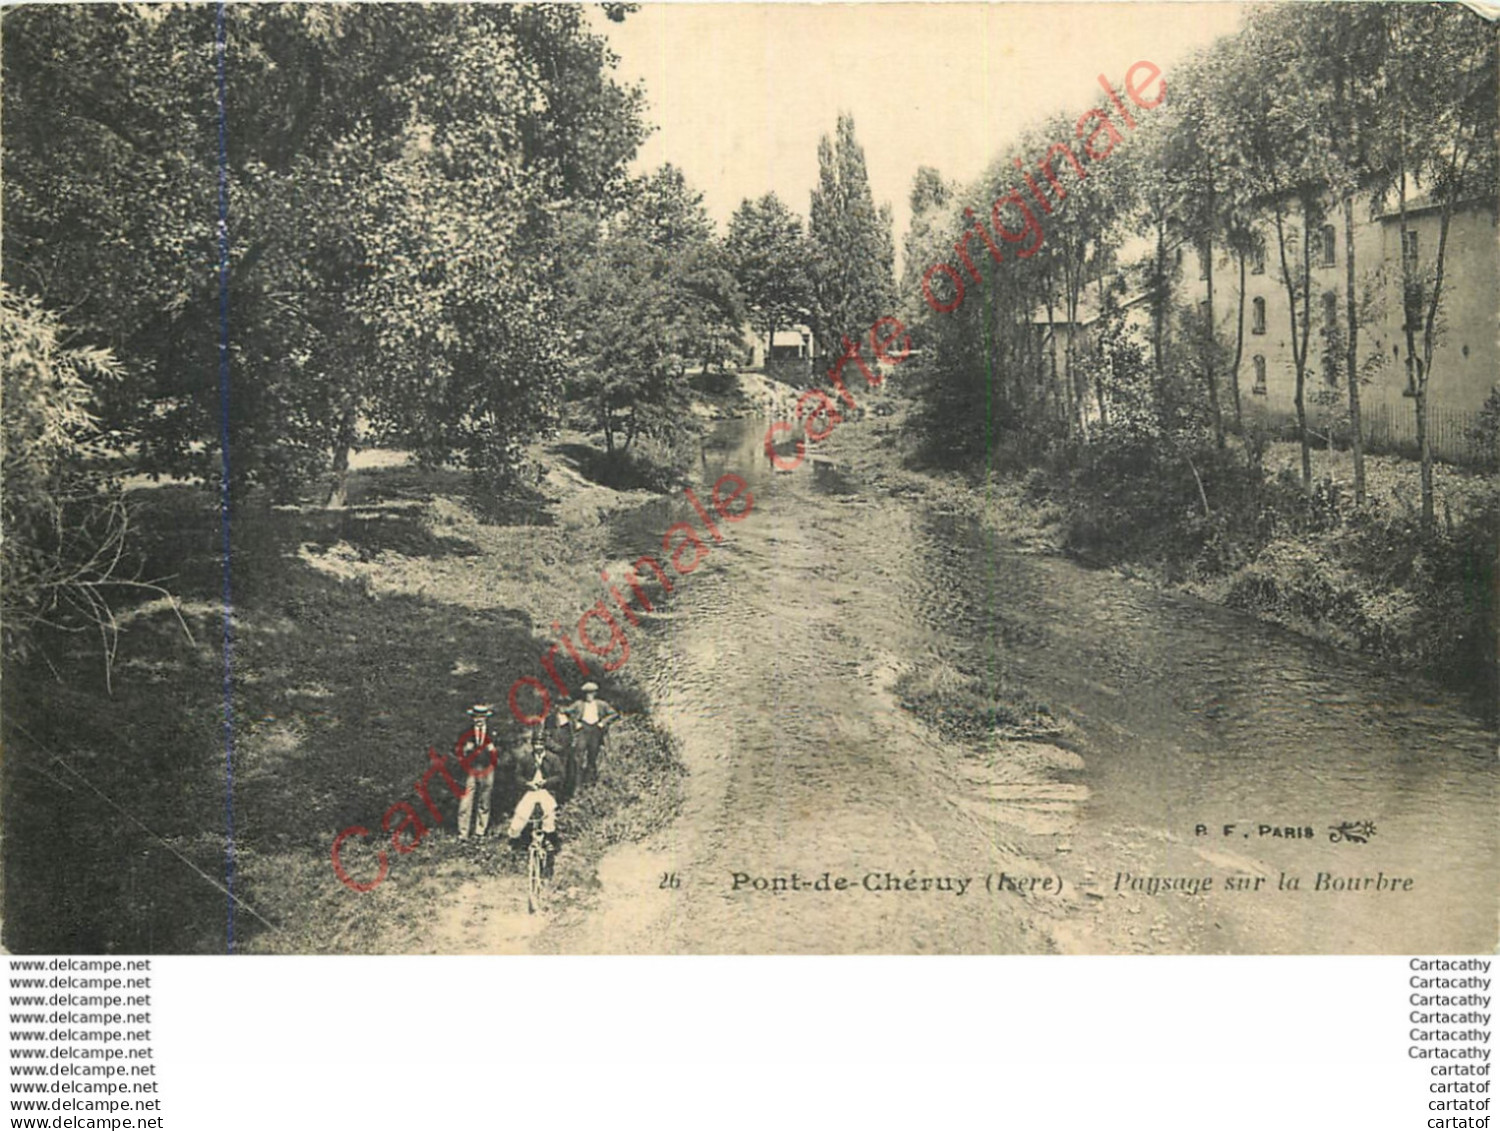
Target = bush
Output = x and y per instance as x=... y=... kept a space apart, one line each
x=65 y=522
x=1378 y=583
x=797 y=372
x=1461 y=623
x=1133 y=496
x=648 y=465
x=717 y=382
x=1486 y=433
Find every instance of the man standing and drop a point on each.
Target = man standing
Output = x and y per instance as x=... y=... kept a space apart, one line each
x=591 y=718
x=479 y=756
x=557 y=737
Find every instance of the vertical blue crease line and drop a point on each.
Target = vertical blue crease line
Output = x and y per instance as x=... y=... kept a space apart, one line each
x=220 y=56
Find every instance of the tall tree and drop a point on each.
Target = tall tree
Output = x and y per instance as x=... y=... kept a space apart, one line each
x=395 y=172
x=1284 y=148
x=770 y=257
x=1337 y=56
x=1193 y=177
x=1439 y=117
x=1080 y=232
x=649 y=294
x=932 y=200
x=854 y=251
x=1346 y=62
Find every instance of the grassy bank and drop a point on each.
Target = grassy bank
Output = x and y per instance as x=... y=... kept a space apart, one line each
x=1237 y=528
x=359 y=637
x=1369 y=578
x=1240 y=532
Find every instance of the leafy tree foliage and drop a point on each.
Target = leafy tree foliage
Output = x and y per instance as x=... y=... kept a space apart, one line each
x=649 y=295
x=109 y=137
x=772 y=262
x=396 y=174
x=931 y=198
x=63 y=518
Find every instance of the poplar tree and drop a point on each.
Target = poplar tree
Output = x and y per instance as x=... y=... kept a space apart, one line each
x=1284 y=149
x=853 y=245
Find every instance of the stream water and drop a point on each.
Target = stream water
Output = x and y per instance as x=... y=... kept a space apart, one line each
x=778 y=666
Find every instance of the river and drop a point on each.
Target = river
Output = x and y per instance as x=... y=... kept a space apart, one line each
x=1185 y=733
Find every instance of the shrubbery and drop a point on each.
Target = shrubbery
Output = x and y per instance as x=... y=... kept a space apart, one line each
x=1368 y=577
x=1487 y=432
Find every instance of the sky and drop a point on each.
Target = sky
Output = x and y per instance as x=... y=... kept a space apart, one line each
x=740 y=93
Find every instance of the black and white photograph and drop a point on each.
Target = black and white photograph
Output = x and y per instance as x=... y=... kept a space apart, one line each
x=740 y=479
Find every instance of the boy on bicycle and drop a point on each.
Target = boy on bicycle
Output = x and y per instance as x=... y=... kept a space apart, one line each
x=538 y=777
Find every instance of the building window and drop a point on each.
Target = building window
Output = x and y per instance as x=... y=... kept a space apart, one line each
x=1258 y=259
x=1414 y=291
x=1410 y=252
x=1203 y=254
x=1327 y=246
x=1259 y=388
x=1204 y=313
x=1258 y=316
x=1330 y=308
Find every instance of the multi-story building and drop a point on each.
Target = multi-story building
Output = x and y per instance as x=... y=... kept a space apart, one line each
x=1466 y=360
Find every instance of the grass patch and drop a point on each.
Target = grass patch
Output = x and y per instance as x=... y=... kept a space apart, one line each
x=1242 y=532
x=969 y=697
x=359 y=638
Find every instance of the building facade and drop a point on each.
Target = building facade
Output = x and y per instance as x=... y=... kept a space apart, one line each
x=795 y=343
x=1466 y=360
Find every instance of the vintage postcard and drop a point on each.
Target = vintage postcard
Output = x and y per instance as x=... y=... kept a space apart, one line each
x=751 y=479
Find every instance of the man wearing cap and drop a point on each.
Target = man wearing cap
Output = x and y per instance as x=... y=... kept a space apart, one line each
x=539 y=776
x=479 y=756
x=591 y=718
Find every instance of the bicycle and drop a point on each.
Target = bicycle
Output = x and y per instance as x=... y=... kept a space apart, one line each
x=536 y=863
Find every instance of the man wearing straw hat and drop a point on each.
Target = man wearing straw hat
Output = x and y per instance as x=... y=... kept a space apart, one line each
x=479 y=756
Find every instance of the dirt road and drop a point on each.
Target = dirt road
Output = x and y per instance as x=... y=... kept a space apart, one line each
x=781 y=673
x=1181 y=768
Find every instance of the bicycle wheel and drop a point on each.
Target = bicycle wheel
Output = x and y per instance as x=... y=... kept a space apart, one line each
x=533 y=877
